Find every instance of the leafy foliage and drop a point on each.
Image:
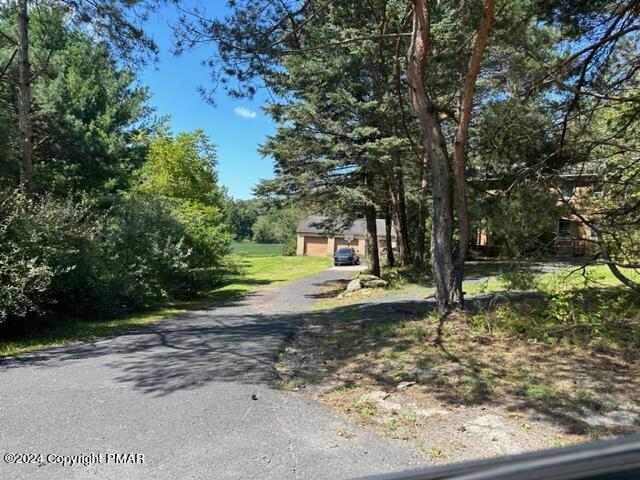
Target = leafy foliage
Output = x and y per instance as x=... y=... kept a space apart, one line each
x=59 y=256
x=242 y=215
x=181 y=170
x=124 y=215
x=88 y=115
x=278 y=226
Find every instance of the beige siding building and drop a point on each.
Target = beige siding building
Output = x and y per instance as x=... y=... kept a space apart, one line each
x=315 y=239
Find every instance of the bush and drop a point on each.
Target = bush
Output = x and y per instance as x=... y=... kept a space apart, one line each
x=45 y=246
x=65 y=257
x=143 y=258
x=208 y=238
x=277 y=226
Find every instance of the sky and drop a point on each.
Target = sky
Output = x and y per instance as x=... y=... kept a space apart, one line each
x=236 y=126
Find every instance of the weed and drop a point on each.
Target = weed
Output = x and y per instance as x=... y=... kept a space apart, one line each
x=436 y=452
x=430 y=452
x=366 y=408
x=380 y=330
x=519 y=278
x=408 y=416
x=344 y=388
x=534 y=391
x=593 y=433
x=390 y=424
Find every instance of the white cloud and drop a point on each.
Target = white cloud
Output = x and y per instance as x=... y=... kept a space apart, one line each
x=244 y=112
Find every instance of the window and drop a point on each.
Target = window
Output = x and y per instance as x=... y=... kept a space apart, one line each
x=565 y=228
x=566 y=189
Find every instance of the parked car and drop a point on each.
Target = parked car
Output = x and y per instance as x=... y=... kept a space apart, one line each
x=346 y=256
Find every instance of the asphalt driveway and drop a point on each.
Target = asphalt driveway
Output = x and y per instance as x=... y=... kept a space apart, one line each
x=193 y=395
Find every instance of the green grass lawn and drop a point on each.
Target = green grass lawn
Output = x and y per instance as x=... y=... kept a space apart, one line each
x=251 y=249
x=259 y=270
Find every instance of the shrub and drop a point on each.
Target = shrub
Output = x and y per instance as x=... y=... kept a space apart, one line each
x=208 y=238
x=45 y=245
x=65 y=257
x=143 y=256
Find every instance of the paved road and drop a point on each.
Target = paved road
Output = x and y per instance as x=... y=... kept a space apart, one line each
x=180 y=393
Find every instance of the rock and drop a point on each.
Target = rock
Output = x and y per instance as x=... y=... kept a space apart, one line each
x=379 y=283
x=489 y=422
x=367 y=278
x=354 y=285
x=390 y=406
x=403 y=385
x=450 y=368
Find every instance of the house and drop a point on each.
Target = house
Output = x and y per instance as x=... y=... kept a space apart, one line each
x=317 y=237
x=571 y=236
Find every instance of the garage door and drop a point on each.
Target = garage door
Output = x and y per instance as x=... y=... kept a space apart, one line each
x=315 y=246
x=340 y=242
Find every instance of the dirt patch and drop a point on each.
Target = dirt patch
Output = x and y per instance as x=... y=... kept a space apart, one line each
x=453 y=394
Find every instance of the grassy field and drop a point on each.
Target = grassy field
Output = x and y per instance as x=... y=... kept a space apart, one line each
x=261 y=267
x=251 y=249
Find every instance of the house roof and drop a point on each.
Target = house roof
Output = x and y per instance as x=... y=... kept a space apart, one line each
x=321 y=225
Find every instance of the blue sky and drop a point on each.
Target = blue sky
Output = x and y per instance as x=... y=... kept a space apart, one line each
x=236 y=126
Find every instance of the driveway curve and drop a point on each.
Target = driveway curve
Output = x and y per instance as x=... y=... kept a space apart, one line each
x=193 y=394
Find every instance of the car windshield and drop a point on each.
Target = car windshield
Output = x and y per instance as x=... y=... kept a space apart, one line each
x=179 y=293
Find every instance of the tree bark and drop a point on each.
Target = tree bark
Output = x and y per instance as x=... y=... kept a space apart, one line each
x=448 y=186
x=24 y=81
x=402 y=212
x=448 y=294
x=462 y=134
x=372 y=240
x=399 y=214
x=418 y=259
x=387 y=219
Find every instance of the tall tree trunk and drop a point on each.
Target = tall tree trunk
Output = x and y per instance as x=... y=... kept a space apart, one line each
x=402 y=213
x=418 y=258
x=399 y=214
x=387 y=225
x=462 y=134
x=372 y=240
x=447 y=264
x=448 y=294
x=24 y=80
